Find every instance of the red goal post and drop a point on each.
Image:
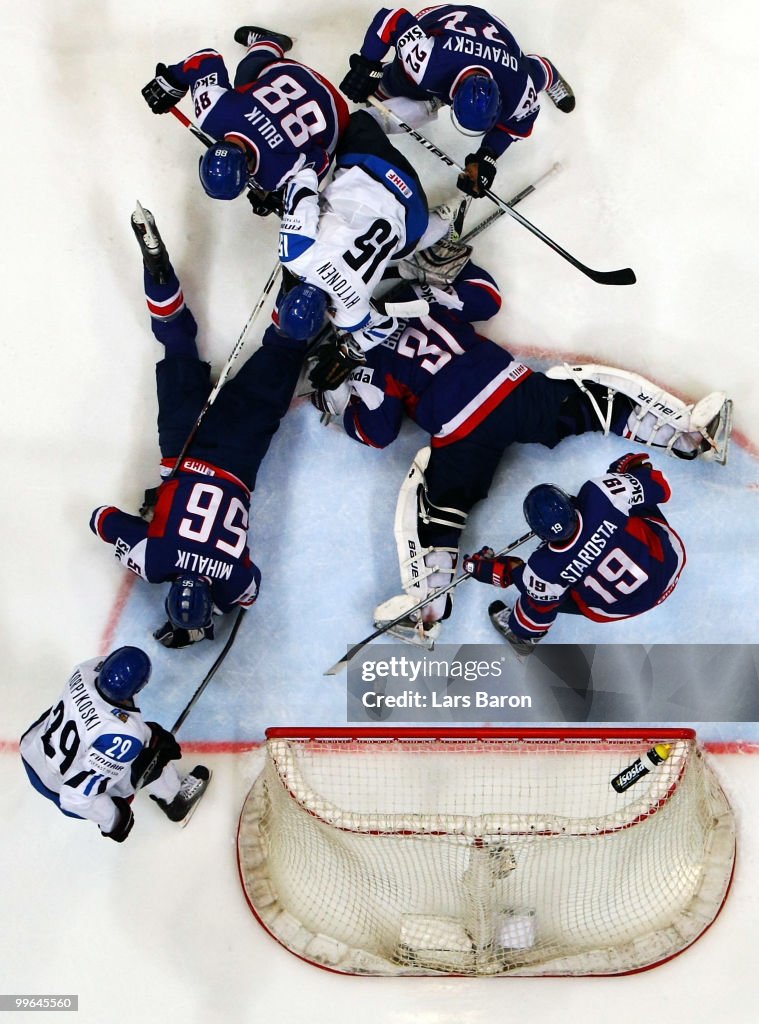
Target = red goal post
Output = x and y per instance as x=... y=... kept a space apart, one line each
x=500 y=852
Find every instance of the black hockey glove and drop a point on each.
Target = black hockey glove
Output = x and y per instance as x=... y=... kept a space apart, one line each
x=264 y=203
x=163 y=92
x=154 y=757
x=362 y=79
x=124 y=821
x=335 y=361
x=630 y=462
x=480 y=168
x=149 y=500
x=484 y=567
x=175 y=638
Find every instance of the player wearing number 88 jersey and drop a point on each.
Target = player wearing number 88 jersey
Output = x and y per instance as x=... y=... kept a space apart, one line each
x=198 y=531
x=280 y=113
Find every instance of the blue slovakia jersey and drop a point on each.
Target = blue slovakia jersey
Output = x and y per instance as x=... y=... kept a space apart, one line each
x=200 y=526
x=438 y=46
x=289 y=118
x=624 y=560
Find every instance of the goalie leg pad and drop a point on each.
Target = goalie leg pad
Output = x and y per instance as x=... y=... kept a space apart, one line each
x=658 y=418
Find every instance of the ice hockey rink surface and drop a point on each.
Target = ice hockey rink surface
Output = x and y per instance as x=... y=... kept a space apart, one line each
x=658 y=173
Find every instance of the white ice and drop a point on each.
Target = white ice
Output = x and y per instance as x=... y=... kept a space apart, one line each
x=658 y=173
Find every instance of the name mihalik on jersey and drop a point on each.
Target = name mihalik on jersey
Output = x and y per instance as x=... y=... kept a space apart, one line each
x=587 y=554
x=190 y=561
x=82 y=701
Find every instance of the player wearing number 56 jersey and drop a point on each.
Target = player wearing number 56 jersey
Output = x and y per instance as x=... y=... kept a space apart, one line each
x=93 y=750
x=197 y=538
x=607 y=554
x=280 y=115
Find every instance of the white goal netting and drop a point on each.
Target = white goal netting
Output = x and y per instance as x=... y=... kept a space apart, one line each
x=486 y=854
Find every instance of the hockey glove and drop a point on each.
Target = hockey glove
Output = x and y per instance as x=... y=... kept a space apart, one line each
x=485 y=568
x=175 y=638
x=335 y=361
x=362 y=79
x=264 y=203
x=149 y=502
x=124 y=821
x=630 y=462
x=479 y=173
x=153 y=758
x=163 y=92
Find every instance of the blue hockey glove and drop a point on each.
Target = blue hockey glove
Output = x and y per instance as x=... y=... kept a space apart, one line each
x=630 y=462
x=485 y=568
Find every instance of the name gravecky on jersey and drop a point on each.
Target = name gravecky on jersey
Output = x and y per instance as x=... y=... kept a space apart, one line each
x=476 y=48
x=82 y=701
x=588 y=553
x=203 y=565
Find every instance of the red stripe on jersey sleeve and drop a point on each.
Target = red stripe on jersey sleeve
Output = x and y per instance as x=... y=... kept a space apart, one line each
x=659 y=478
x=166 y=493
x=640 y=529
x=194 y=62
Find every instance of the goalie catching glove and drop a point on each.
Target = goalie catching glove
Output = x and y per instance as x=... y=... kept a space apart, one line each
x=334 y=363
x=484 y=567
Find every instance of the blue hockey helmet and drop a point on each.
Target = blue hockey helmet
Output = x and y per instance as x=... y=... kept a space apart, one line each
x=224 y=171
x=550 y=512
x=123 y=674
x=476 y=105
x=189 y=604
x=302 y=312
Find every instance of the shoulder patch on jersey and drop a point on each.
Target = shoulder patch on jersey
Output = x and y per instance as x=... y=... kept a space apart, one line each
x=121 y=715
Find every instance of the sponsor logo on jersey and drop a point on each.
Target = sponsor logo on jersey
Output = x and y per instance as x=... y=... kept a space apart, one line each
x=193 y=466
x=588 y=553
x=203 y=565
x=476 y=48
x=395 y=179
x=362 y=375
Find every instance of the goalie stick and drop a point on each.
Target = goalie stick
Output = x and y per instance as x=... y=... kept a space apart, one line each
x=353 y=651
x=614 y=277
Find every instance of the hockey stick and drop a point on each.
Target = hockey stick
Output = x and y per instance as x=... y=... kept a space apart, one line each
x=233 y=356
x=196 y=696
x=619 y=277
x=211 y=672
x=493 y=217
x=334 y=669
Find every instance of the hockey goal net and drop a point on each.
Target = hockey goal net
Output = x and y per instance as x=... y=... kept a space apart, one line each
x=487 y=852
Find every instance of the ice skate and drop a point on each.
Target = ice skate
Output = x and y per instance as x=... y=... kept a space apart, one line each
x=561 y=94
x=182 y=807
x=410 y=629
x=246 y=35
x=499 y=615
x=154 y=254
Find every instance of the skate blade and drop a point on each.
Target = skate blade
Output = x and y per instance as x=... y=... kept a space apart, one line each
x=413 y=635
x=184 y=821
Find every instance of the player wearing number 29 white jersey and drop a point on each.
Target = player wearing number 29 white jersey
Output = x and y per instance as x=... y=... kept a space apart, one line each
x=91 y=751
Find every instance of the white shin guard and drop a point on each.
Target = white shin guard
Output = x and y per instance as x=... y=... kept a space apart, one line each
x=659 y=419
